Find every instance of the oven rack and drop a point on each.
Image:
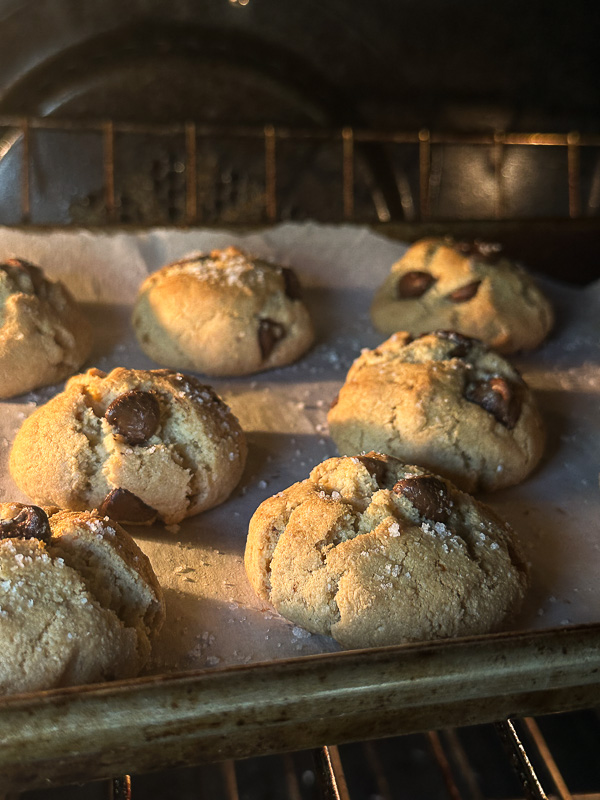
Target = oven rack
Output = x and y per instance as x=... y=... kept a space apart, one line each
x=270 y=139
x=99 y=174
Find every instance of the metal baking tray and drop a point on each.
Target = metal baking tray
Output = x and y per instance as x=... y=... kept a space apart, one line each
x=244 y=682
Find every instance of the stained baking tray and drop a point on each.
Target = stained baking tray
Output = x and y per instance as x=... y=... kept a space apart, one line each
x=229 y=678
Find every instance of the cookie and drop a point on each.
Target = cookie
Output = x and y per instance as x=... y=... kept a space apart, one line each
x=465 y=287
x=139 y=445
x=443 y=401
x=44 y=336
x=79 y=602
x=374 y=552
x=222 y=314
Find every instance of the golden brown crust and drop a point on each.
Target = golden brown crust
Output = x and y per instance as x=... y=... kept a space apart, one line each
x=442 y=284
x=44 y=337
x=68 y=453
x=445 y=402
x=222 y=314
x=79 y=607
x=374 y=552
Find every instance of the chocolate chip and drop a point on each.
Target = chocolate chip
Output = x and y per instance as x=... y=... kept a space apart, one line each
x=464 y=293
x=134 y=415
x=414 y=284
x=269 y=333
x=30 y=523
x=291 y=284
x=376 y=467
x=483 y=251
x=12 y=265
x=463 y=344
x=428 y=495
x=189 y=385
x=15 y=266
x=124 y=506
x=501 y=398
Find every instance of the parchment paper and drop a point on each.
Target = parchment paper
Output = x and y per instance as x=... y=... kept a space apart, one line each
x=213 y=617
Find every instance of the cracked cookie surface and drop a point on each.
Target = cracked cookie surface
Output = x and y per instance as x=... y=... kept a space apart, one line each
x=374 y=552
x=466 y=287
x=44 y=337
x=138 y=445
x=79 y=601
x=443 y=401
x=224 y=313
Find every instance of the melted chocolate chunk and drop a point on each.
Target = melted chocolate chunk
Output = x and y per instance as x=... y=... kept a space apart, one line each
x=464 y=293
x=30 y=523
x=124 y=506
x=134 y=415
x=291 y=284
x=269 y=333
x=376 y=467
x=483 y=251
x=428 y=495
x=190 y=386
x=462 y=343
x=414 y=284
x=501 y=398
x=14 y=266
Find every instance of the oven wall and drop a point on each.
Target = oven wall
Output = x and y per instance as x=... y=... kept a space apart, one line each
x=435 y=63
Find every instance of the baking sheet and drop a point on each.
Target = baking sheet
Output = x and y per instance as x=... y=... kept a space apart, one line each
x=213 y=617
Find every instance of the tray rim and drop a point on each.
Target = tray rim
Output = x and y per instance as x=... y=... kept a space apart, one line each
x=167 y=720
x=57 y=736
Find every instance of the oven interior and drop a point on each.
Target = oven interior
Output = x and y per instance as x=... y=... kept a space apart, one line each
x=410 y=118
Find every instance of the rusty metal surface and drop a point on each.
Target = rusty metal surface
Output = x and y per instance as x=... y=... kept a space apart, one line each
x=146 y=724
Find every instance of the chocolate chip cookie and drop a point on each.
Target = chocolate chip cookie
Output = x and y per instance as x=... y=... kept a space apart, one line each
x=222 y=314
x=44 y=337
x=79 y=602
x=463 y=286
x=139 y=445
x=374 y=552
x=444 y=401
